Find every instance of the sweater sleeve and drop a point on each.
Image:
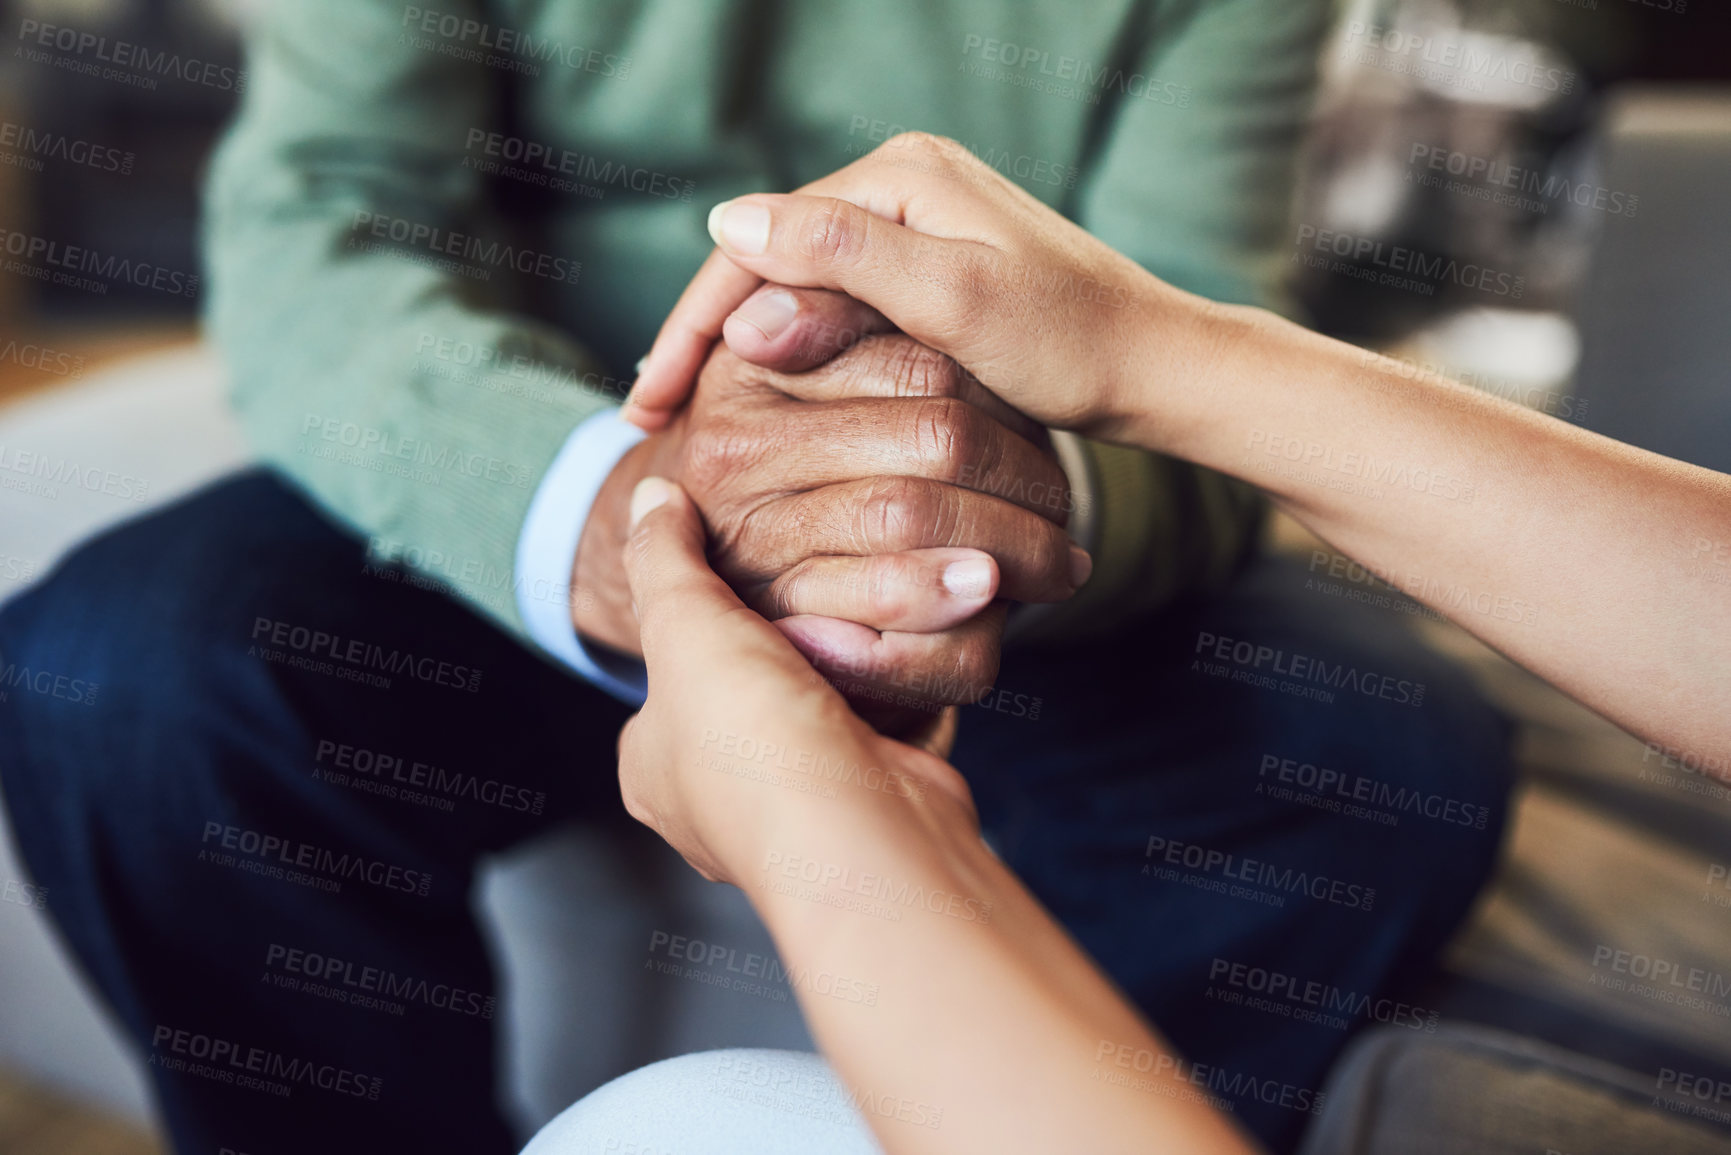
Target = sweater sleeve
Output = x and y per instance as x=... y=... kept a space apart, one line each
x=361 y=289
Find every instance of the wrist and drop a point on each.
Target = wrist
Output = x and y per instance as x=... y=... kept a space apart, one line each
x=604 y=613
x=1191 y=366
x=891 y=825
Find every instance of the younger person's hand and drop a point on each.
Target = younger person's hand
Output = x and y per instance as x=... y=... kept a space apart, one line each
x=740 y=738
x=1049 y=318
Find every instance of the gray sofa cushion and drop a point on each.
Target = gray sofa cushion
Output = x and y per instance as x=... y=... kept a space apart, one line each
x=1476 y=1091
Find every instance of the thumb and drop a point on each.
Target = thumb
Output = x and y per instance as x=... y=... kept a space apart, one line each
x=692 y=621
x=829 y=243
x=665 y=564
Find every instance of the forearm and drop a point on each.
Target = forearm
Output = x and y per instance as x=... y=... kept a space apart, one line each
x=1563 y=549
x=984 y=1009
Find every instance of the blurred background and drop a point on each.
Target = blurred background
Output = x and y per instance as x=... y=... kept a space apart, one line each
x=1556 y=171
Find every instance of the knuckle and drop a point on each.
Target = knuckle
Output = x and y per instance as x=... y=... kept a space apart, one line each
x=927 y=143
x=949 y=437
x=921 y=371
x=892 y=511
x=717 y=454
x=1051 y=554
x=786 y=594
x=834 y=233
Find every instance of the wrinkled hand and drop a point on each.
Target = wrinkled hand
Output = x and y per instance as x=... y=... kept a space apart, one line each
x=724 y=753
x=876 y=518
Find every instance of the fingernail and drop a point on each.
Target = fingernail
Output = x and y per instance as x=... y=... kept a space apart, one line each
x=740 y=228
x=769 y=313
x=642 y=364
x=651 y=493
x=969 y=579
x=1081 y=565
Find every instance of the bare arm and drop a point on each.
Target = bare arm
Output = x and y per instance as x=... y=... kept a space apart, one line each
x=1565 y=550
x=1573 y=551
x=971 y=1008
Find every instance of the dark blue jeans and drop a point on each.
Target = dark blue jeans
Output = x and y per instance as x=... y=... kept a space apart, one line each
x=233 y=752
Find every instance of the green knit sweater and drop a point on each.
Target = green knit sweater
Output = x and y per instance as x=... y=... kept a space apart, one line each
x=439 y=234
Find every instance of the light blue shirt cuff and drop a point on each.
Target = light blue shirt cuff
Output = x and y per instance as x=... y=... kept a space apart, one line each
x=547 y=552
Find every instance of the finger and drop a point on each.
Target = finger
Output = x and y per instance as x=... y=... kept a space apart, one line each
x=792 y=330
x=938 y=438
x=932 y=288
x=693 y=625
x=934 y=184
x=922 y=591
x=668 y=373
x=877 y=515
x=896 y=365
x=901 y=670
